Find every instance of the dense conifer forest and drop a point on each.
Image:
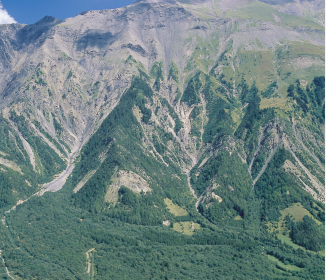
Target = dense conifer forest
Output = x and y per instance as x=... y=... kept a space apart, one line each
x=164 y=140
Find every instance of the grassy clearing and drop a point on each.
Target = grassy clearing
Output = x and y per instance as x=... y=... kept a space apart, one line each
x=187 y=228
x=236 y=117
x=295 y=21
x=238 y=218
x=274 y=103
x=265 y=12
x=301 y=49
x=228 y=73
x=282 y=265
x=203 y=55
x=256 y=66
x=216 y=10
x=296 y=213
x=289 y=62
x=205 y=10
x=256 y=10
x=300 y=60
x=288 y=241
x=202 y=15
x=3 y=154
x=174 y=208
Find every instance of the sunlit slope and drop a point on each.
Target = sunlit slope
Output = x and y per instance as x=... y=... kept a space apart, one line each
x=193 y=134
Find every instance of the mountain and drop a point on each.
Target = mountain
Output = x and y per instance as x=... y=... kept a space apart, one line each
x=137 y=138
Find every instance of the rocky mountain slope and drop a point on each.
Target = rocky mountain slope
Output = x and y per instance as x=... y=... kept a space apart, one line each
x=215 y=106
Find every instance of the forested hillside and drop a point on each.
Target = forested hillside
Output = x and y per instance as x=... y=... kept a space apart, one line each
x=164 y=140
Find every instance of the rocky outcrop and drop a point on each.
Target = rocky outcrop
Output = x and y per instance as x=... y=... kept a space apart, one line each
x=128 y=179
x=68 y=75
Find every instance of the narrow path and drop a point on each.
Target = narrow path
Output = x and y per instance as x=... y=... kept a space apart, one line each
x=6 y=266
x=89 y=263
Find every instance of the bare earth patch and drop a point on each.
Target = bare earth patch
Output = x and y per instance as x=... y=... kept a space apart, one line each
x=128 y=179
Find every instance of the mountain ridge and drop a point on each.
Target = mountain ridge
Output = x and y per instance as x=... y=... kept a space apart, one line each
x=169 y=119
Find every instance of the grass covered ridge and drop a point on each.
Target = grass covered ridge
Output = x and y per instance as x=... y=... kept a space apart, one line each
x=265 y=12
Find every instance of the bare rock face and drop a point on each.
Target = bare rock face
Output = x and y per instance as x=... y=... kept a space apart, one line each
x=68 y=75
x=147 y=118
x=127 y=179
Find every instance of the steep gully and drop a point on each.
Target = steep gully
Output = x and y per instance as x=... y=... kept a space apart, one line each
x=58 y=182
x=53 y=186
x=299 y=139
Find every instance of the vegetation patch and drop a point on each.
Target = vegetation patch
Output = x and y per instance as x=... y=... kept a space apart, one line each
x=187 y=228
x=300 y=60
x=310 y=99
x=256 y=66
x=234 y=186
x=50 y=162
x=175 y=209
x=293 y=224
x=174 y=72
x=173 y=114
x=282 y=265
x=297 y=212
x=157 y=73
x=238 y=218
x=191 y=94
x=265 y=12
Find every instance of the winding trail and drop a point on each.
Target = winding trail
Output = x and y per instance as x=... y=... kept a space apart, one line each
x=6 y=267
x=89 y=264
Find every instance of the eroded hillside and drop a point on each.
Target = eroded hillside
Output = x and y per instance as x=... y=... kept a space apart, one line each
x=177 y=114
